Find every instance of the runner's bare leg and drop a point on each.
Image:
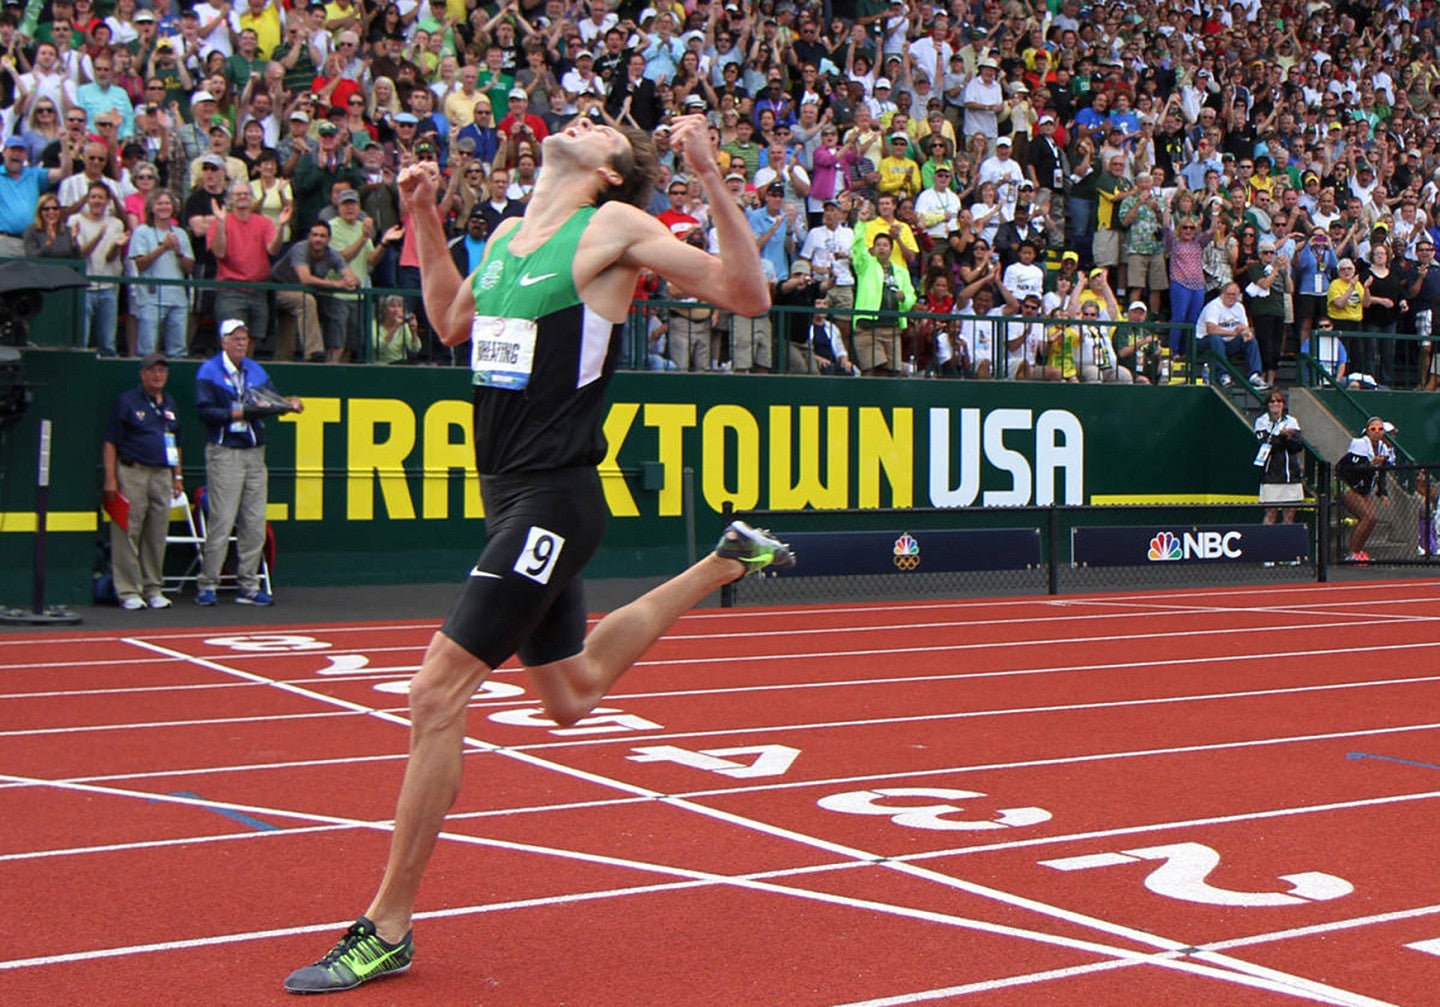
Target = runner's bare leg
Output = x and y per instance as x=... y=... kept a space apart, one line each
x=569 y=689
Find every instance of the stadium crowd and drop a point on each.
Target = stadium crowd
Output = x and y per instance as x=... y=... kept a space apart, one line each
x=995 y=188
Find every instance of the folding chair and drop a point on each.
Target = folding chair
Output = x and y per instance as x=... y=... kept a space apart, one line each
x=194 y=535
x=187 y=534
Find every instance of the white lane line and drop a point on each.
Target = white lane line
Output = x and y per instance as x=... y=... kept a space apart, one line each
x=1249 y=972
x=1333 y=594
x=1347 y=618
x=1244 y=974
x=1377 y=919
x=819 y=725
x=1117 y=665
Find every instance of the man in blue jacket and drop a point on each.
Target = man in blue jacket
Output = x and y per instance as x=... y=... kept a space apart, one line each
x=234 y=463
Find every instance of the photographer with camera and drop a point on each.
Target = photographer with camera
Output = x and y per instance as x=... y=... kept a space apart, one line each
x=1360 y=472
x=1278 y=458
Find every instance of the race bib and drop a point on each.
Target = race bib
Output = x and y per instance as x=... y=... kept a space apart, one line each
x=502 y=351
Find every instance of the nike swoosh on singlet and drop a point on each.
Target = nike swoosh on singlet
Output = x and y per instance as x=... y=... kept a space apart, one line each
x=477 y=572
x=529 y=281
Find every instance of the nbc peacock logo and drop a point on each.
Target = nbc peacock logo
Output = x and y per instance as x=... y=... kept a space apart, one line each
x=1164 y=546
x=907 y=552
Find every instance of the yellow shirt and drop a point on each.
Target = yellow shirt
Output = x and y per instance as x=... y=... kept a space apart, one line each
x=266 y=26
x=1353 y=309
x=899 y=176
x=907 y=238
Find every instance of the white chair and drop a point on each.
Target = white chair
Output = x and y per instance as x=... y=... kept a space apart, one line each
x=187 y=530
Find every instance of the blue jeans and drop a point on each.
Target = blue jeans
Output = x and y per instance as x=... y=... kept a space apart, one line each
x=1235 y=346
x=101 y=316
x=162 y=325
x=1185 y=308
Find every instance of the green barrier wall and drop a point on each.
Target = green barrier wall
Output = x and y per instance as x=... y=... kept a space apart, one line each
x=372 y=483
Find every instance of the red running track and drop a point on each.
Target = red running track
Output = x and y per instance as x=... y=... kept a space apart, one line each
x=1191 y=797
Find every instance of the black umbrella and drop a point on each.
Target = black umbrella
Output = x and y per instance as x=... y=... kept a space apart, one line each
x=27 y=274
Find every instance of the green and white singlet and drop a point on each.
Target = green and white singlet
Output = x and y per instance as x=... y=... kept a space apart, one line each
x=541 y=359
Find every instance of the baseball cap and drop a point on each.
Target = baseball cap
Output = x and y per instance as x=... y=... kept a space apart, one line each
x=775 y=189
x=424 y=145
x=230 y=325
x=1267 y=246
x=213 y=161
x=519 y=92
x=149 y=360
x=882 y=82
x=585 y=54
x=694 y=101
x=328 y=129
x=900 y=137
x=144 y=15
x=1046 y=118
x=1003 y=141
x=734 y=174
x=15 y=141
x=200 y=96
x=1072 y=256
x=349 y=196
x=406 y=118
x=298 y=116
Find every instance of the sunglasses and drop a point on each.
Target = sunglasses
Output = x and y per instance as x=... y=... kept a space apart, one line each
x=144 y=178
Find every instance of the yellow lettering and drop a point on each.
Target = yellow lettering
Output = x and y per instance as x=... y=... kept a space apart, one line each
x=385 y=459
x=444 y=454
x=612 y=481
x=737 y=420
x=892 y=449
x=310 y=455
x=807 y=490
x=671 y=420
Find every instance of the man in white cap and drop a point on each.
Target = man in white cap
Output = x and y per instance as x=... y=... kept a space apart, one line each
x=1005 y=172
x=237 y=482
x=519 y=123
x=983 y=100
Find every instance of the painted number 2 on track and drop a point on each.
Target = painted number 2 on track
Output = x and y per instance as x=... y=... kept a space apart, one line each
x=1184 y=868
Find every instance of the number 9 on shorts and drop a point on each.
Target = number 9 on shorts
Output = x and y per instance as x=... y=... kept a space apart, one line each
x=542 y=550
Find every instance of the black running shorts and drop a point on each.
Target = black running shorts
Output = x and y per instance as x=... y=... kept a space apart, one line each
x=524 y=595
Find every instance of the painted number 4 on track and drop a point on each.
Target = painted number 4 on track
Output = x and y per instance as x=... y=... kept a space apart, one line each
x=769 y=760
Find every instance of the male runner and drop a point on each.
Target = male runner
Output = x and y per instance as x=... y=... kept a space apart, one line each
x=544 y=314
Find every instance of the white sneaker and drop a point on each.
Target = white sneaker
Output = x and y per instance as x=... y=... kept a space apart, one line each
x=1258 y=383
x=158 y=601
x=132 y=604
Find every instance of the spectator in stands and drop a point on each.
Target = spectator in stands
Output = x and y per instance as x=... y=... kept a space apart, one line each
x=1224 y=330
x=160 y=249
x=100 y=238
x=102 y=94
x=142 y=465
x=395 y=340
x=21 y=189
x=242 y=242
x=237 y=482
x=317 y=172
x=1328 y=350
x=883 y=293
x=1140 y=213
x=320 y=313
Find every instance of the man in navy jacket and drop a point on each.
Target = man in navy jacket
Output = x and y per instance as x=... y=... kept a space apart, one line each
x=236 y=477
